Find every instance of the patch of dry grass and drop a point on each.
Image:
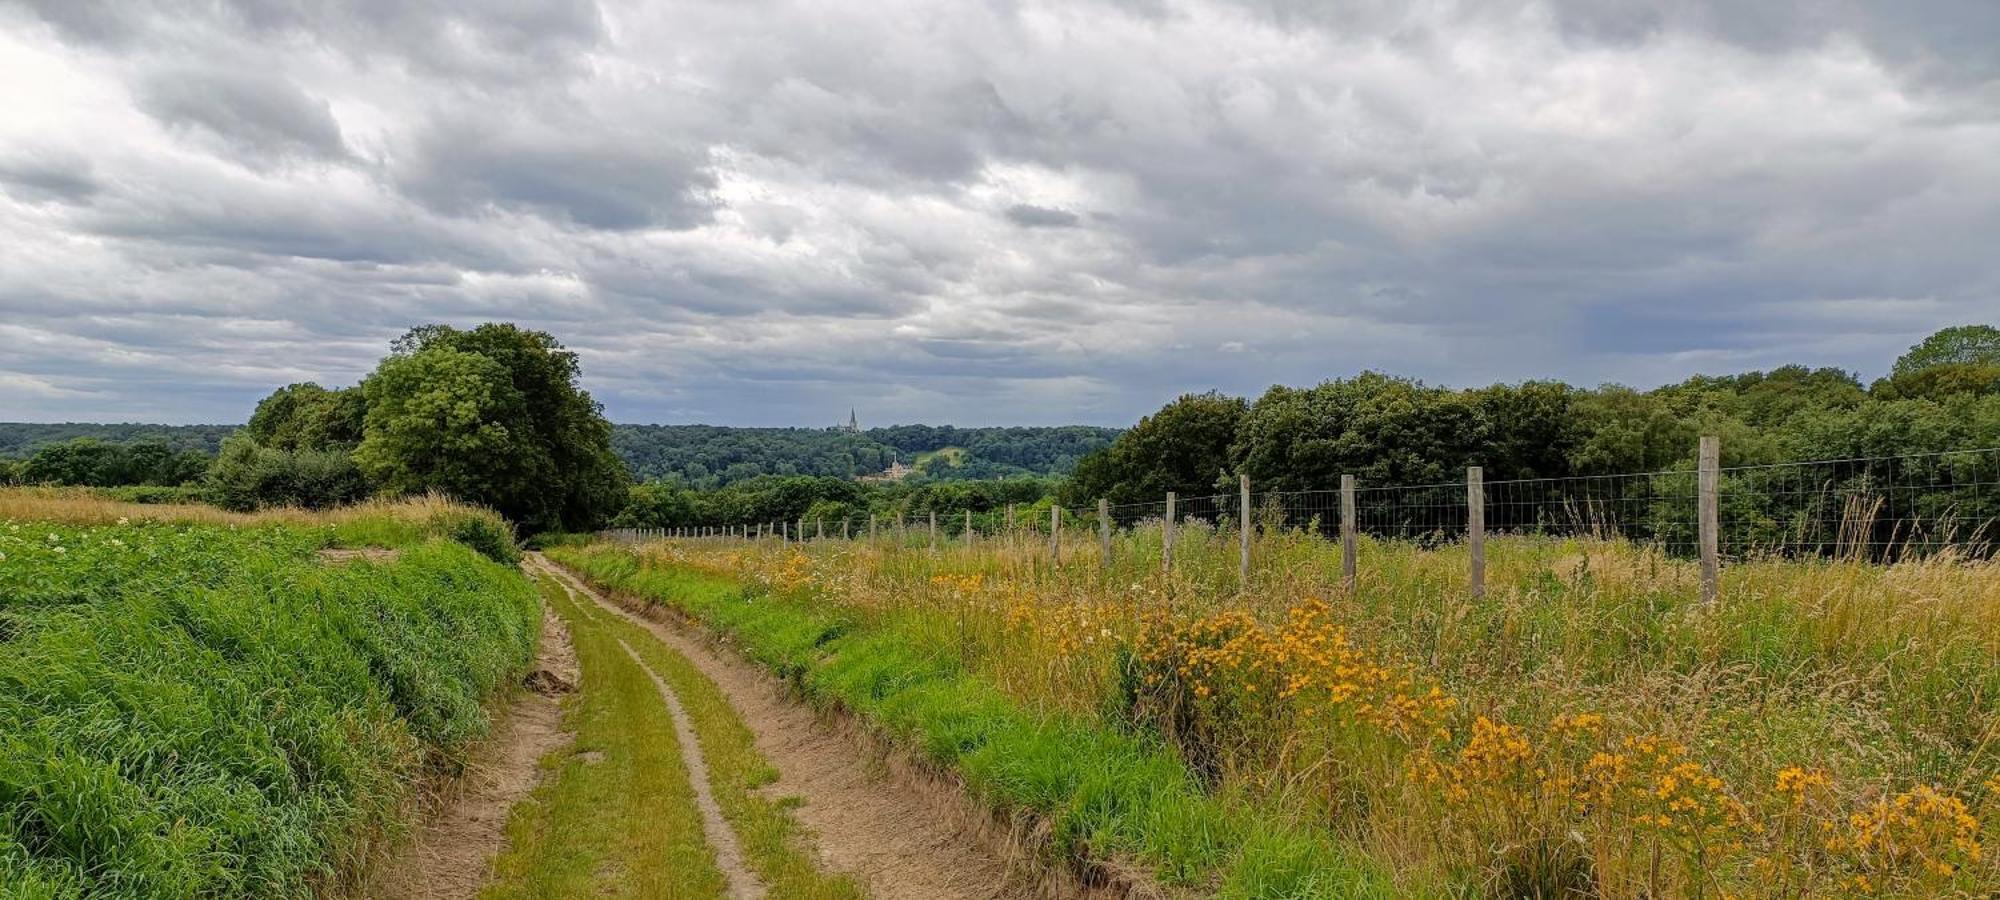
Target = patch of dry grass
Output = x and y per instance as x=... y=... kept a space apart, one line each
x=1828 y=727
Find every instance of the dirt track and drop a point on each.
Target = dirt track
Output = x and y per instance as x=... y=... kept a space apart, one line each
x=902 y=838
x=451 y=854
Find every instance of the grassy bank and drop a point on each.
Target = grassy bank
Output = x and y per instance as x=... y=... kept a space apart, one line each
x=200 y=705
x=1830 y=727
x=1106 y=794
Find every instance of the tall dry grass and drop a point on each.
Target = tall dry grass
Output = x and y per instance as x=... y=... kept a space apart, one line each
x=1829 y=727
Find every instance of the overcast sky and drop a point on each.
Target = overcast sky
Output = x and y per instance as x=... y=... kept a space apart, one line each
x=764 y=212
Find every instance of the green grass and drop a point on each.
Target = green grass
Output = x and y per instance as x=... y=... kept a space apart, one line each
x=194 y=710
x=1105 y=793
x=625 y=825
x=776 y=846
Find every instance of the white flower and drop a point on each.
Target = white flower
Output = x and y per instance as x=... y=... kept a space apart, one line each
x=3 y=557
x=60 y=551
x=124 y=521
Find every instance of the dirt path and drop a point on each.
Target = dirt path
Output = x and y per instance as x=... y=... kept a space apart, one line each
x=451 y=854
x=904 y=840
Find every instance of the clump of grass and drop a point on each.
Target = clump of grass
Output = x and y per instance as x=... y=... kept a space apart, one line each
x=196 y=709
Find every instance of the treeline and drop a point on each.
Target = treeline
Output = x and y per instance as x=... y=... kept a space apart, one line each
x=710 y=456
x=492 y=415
x=1385 y=430
x=704 y=456
x=1944 y=395
x=19 y=440
x=95 y=462
x=827 y=501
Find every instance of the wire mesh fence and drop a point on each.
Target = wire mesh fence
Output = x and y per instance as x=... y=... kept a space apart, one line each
x=1877 y=509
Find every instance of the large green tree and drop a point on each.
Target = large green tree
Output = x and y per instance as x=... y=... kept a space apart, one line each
x=308 y=417
x=1185 y=447
x=1958 y=345
x=493 y=414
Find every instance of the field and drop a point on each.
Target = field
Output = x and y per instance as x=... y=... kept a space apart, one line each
x=194 y=704
x=1827 y=728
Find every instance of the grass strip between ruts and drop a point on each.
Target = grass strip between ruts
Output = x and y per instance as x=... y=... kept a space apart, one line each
x=617 y=816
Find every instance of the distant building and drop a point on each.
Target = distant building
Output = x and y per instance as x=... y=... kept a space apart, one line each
x=896 y=472
x=853 y=425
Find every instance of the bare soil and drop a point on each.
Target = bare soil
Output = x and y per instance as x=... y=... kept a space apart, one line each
x=450 y=856
x=906 y=834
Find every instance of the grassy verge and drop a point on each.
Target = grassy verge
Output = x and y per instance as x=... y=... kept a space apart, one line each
x=1106 y=793
x=617 y=818
x=1829 y=727
x=200 y=710
x=775 y=845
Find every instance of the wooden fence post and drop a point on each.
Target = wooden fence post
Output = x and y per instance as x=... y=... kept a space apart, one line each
x=1055 y=533
x=1350 y=546
x=1167 y=537
x=819 y=529
x=847 y=528
x=968 y=526
x=1475 y=527
x=1104 y=533
x=934 y=531
x=1243 y=539
x=1709 y=480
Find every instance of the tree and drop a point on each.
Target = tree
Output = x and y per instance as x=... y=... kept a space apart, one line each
x=1958 y=345
x=1381 y=429
x=493 y=415
x=1185 y=447
x=307 y=416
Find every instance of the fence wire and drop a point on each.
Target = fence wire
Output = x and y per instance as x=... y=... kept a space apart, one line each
x=1878 y=508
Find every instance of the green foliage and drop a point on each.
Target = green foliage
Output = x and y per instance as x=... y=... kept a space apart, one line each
x=494 y=416
x=198 y=711
x=1396 y=431
x=708 y=456
x=794 y=498
x=489 y=534
x=1185 y=447
x=248 y=476
x=1959 y=345
x=92 y=462
x=22 y=439
x=309 y=417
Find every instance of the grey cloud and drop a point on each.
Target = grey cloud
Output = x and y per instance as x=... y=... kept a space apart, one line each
x=766 y=213
x=467 y=38
x=583 y=171
x=261 y=116
x=1030 y=216
x=44 y=177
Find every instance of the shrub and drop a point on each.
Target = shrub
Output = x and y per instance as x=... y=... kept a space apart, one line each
x=249 y=476
x=483 y=531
